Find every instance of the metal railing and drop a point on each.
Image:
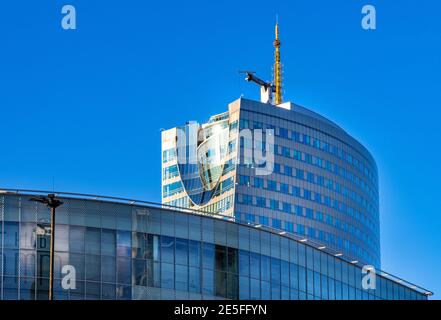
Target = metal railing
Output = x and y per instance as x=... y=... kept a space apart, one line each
x=290 y=235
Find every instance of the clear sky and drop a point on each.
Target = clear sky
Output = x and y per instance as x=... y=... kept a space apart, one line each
x=82 y=110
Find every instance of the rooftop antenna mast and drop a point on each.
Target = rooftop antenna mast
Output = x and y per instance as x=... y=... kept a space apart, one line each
x=277 y=82
x=270 y=92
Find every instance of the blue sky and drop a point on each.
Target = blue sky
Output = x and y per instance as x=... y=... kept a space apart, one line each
x=83 y=109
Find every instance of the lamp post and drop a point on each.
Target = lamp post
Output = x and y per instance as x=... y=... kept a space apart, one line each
x=51 y=203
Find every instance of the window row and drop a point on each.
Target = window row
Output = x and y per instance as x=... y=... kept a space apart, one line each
x=311 y=233
x=289 y=208
x=312 y=142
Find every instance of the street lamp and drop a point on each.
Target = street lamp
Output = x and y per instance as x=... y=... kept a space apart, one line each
x=51 y=203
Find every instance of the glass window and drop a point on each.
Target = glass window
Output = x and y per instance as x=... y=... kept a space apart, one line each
x=244 y=288
x=77 y=261
x=140 y=272
x=302 y=279
x=194 y=280
x=265 y=266
x=221 y=284
x=167 y=276
x=181 y=278
x=338 y=290
x=167 y=249
x=108 y=269
x=324 y=286
x=232 y=260
x=93 y=267
x=331 y=289
x=221 y=258
x=27 y=235
x=181 y=251
x=61 y=238
x=27 y=263
x=232 y=286
x=93 y=291
x=254 y=289
x=10 y=262
x=93 y=241
x=194 y=253
x=276 y=223
x=275 y=271
x=284 y=274
x=124 y=243
x=244 y=263
x=293 y=276
x=207 y=282
x=255 y=265
x=208 y=256
x=10 y=233
x=124 y=270
x=76 y=239
x=108 y=242
x=275 y=291
x=265 y=290
x=10 y=288
x=123 y=292
x=310 y=281
x=317 y=288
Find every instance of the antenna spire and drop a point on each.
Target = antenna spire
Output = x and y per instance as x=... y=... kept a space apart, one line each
x=277 y=66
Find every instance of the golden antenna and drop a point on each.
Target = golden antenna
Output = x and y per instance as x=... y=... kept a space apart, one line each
x=277 y=67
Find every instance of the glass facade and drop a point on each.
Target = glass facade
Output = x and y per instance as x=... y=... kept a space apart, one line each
x=323 y=186
x=130 y=251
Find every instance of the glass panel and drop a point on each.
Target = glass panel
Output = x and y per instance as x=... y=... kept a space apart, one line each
x=244 y=288
x=255 y=289
x=27 y=236
x=123 y=292
x=207 y=281
x=244 y=263
x=284 y=273
x=208 y=256
x=108 y=269
x=167 y=249
x=124 y=270
x=27 y=263
x=232 y=260
x=265 y=266
x=181 y=278
x=62 y=238
x=194 y=253
x=221 y=284
x=221 y=258
x=76 y=239
x=93 y=241
x=140 y=272
x=124 y=243
x=10 y=234
x=108 y=291
x=255 y=266
x=93 y=267
x=10 y=262
x=293 y=276
x=232 y=286
x=108 y=242
x=167 y=276
x=77 y=261
x=265 y=290
x=194 y=280
x=93 y=291
x=275 y=271
x=181 y=251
